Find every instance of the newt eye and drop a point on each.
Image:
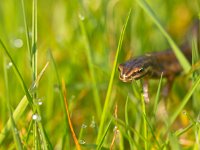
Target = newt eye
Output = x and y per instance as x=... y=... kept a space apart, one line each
x=140 y=70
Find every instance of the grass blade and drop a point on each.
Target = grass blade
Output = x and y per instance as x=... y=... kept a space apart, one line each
x=103 y=136
x=106 y=108
x=26 y=28
x=19 y=110
x=66 y=132
x=34 y=40
x=68 y=116
x=91 y=69
x=18 y=74
x=15 y=132
x=183 y=61
x=157 y=96
x=184 y=102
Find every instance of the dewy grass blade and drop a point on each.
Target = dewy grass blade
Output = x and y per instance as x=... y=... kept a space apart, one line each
x=106 y=108
x=183 y=61
x=91 y=69
x=34 y=40
x=26 y=28
x=16 y=115
x=19 y=110
x=18 y=75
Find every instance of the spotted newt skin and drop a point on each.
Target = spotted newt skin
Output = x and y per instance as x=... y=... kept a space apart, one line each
x=152 y=65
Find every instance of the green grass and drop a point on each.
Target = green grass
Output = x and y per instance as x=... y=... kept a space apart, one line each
x=82 y=42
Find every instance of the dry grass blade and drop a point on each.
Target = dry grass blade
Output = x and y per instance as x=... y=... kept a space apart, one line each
x=68 y=116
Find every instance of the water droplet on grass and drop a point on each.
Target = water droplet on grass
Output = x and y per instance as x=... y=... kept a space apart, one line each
x=93 y=124
x=82 y=142
x=9 y=65
x=18 y=43
x=81 y=17
x=39 y=101
x=36 y=117
x=184 y=112
x=83 y=126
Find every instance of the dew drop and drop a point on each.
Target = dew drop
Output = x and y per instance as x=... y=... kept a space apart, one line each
x=81 y=17
x=184 y=112
x=40 y=103
x=18 y=43
x=93 y=124
x=9 y=65
x=82 y=142
x=16 y=131
x=83 y=126
x=115 y=129
x=36 y=117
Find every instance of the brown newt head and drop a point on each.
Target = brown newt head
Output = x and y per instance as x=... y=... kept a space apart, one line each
x=135 y=68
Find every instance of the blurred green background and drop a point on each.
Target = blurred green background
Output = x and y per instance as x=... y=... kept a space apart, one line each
x=59 y=31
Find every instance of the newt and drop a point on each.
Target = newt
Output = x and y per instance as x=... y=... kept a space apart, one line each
x=152 y=65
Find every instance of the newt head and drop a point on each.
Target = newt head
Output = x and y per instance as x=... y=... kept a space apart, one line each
x=135 y=68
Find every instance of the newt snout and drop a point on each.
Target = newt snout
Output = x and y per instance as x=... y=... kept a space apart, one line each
x=135 y=69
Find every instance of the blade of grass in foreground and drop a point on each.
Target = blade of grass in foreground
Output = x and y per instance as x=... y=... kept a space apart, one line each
x=18 y=74
x=106 y=108
x=183 y=61
x=19 y=110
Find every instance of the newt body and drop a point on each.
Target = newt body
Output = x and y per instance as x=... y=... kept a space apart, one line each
x=153 y=65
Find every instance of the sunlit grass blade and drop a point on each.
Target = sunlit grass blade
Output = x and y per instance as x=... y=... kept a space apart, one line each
x=19 y=110
x=26 y=29
x=21 y=80
x=183 y=61
x=91 y=69
x=15 y=132
x=107 y=104
x=68 y=116
x=66 y=132
x=100 y=144
x=34 y=40
x=184 y=102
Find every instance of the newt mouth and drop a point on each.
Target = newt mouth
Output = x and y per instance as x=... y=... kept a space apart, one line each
x=125 y=78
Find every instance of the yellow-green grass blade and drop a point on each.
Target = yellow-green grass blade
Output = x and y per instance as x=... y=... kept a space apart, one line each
x=91 y=69
x=19 y=110
x=107 y=104
x=183 y=61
